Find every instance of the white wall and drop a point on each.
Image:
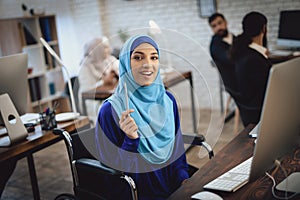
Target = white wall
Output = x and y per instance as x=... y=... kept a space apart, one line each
x=185 y=34
x=234 y=11
x=69 y=47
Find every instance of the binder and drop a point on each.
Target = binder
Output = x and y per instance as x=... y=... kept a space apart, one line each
x=29 y=37
x=35 y=89
x=45 y=28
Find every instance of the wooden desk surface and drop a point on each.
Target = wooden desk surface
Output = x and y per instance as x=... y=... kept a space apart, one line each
x=238 y=150
x=39 y=140
x=172 y=78
x=104 y=91
x=100 y=93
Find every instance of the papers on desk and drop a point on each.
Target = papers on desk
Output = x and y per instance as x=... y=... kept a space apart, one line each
x=36 y=134
x=3 y=131
x=30 y=118
x=4 y=141
x=26 y=118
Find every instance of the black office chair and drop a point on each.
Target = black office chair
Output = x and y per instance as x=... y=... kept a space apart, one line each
x=75 y=86
x=93 y=180
x=228 y=83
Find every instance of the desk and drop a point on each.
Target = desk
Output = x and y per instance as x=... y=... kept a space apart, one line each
x=35 y=142
x=275 y=59
x=170 y=79
x=238 y=150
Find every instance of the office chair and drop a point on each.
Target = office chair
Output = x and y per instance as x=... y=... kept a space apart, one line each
x=94 y=181
x=226 y=83
x=75 y=86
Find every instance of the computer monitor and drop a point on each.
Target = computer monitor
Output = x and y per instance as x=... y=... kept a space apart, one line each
x=279 y=129
x=13 y=80
x=289 y=31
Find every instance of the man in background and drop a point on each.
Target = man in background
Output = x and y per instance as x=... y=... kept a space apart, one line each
x=219 y=49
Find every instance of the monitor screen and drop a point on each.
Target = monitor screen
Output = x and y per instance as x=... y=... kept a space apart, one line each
x=289 y=30
x=13 y=80
x=279 y=130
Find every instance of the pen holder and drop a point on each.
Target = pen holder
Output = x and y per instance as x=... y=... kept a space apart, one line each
x=47 y=120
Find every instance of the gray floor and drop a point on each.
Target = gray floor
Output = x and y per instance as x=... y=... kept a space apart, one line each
x=54 y=174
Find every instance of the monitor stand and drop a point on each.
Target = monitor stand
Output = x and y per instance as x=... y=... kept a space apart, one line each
x=291 y=183
x=12 y=121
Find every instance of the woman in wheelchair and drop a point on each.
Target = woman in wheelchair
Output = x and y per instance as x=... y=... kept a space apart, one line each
x=138 y=128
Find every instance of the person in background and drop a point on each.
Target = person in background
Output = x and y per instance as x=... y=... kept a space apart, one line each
x=219 y=50
x=249 y=53
x=143 y=139
x=97 y=67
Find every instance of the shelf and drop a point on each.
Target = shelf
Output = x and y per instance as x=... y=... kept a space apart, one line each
x=22 y=34
x=50 y=98
x=56 y=69
x=43 y=73
x=32 y=46
x=36 y=74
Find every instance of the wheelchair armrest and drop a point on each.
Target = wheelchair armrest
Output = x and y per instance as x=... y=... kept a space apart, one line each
x=62 y=132
x=193 y=139
x=97 y=166
x=197 y=139
x=57 y=131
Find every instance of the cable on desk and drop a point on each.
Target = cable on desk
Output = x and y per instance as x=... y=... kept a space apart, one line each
x=278 y=165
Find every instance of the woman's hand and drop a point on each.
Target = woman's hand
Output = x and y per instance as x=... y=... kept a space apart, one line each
x=128 y=125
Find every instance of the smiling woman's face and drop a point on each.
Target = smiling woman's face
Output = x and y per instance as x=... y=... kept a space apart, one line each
x=144 y=64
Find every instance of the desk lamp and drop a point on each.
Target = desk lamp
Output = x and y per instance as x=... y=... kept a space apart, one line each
x=70 y=115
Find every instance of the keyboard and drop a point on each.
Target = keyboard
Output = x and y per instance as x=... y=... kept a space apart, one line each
x=233 y=179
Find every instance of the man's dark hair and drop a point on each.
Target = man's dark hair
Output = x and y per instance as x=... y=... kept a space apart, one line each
x=253 y=24
x=214 y=16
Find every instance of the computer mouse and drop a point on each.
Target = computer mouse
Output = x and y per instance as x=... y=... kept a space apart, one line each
x=205 y=195
x=296 y=53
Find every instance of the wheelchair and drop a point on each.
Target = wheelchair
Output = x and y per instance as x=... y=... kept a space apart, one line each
x=90 y=177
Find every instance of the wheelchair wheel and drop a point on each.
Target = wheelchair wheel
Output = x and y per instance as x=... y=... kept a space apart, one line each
x=65 y=196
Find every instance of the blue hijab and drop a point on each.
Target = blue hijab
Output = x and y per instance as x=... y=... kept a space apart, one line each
x=153 y=109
